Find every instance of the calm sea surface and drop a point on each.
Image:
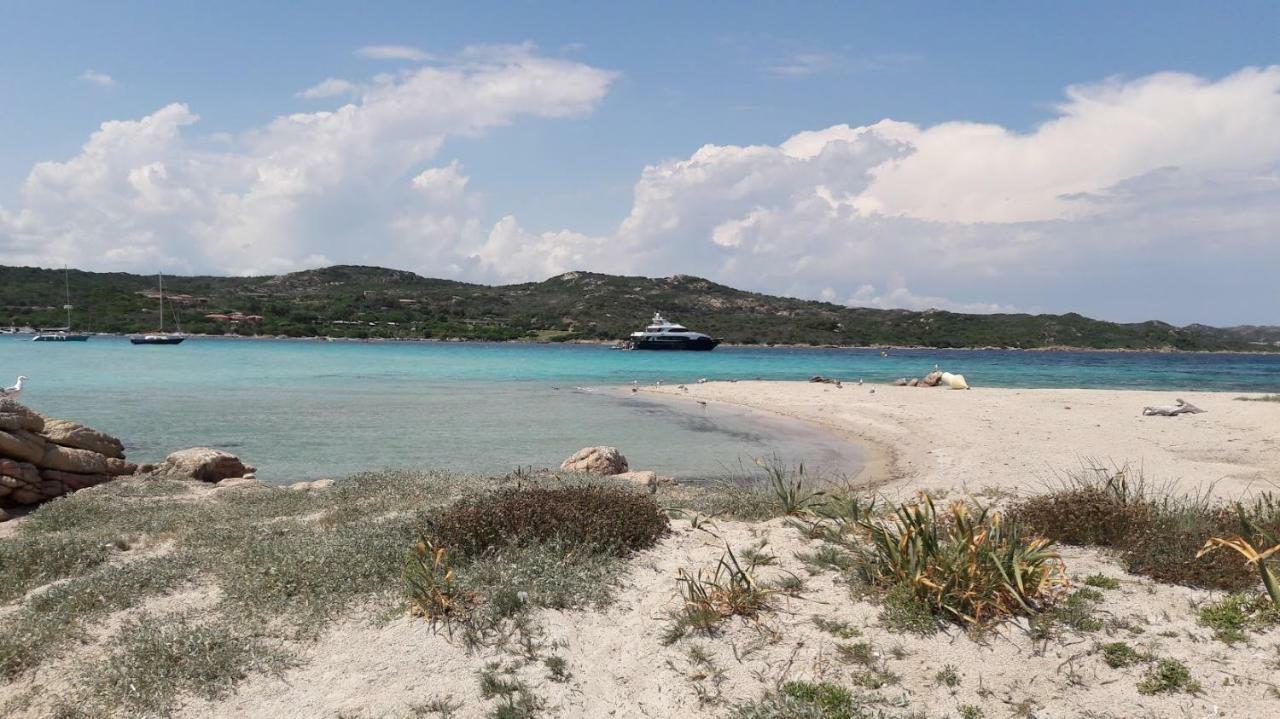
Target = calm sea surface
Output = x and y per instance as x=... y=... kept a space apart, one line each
x=306 y=409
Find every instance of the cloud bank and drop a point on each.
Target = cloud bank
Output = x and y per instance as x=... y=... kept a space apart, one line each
x=1133 y=181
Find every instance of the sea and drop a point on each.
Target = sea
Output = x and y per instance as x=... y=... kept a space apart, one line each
x=307 y=409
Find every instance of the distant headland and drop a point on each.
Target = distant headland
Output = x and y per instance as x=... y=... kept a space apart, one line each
x=346 y=301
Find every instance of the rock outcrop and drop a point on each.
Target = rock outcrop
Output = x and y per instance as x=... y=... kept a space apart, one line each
x=42 y=458
x=646 y=478
x=45 y=458
x=14 y=416
x=205 y=464
x=603 y=461
x=77 y=436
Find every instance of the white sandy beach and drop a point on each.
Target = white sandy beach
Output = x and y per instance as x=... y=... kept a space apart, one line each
x=1019 y=439
x=983 y=441
x=1007 y=440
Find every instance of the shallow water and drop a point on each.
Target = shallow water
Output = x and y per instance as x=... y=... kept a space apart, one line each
x=306 y=409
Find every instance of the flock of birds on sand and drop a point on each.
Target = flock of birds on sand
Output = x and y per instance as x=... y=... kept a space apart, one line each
x=635 y=386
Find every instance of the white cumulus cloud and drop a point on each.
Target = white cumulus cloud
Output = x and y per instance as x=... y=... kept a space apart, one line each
x=1131 y=185
x=101 y=79
x=394 y=52
x=329 y=87
x=306 y=188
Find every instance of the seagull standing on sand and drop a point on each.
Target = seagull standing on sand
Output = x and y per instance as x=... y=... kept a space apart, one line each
x=14 y=391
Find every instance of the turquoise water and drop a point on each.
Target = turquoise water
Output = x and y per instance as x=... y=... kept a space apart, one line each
x=305 y=409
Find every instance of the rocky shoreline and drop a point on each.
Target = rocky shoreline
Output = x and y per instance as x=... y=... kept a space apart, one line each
x=43 y=458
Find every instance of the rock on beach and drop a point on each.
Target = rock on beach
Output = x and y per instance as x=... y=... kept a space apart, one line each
x=205 y=464
x=604 y=461
x=77 y=436
x=42 y=458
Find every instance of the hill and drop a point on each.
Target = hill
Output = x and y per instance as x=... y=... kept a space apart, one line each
x=353 y=301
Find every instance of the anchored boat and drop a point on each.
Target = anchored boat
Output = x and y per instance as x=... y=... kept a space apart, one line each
x=62 y=334
x=662 y=334
x=161 y=337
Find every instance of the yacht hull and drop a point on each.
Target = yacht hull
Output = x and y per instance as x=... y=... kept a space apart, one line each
x=60 y=338
x=697 y=344
x=157 y=340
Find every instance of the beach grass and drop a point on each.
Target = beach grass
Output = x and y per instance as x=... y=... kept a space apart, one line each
x=280 y=566
x=271 y=570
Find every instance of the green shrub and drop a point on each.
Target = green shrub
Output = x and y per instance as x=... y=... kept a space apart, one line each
x=968 y=565
x=948 y=677
x=843 y=630
x=1168 y=676
x=1102 y=581
x=902 y=610
x=1233 y=617
x=1119 y=654
x=1075 y=611
x=1157 y=536
x=605 y=520
x=804 y=700
x=1088 y=509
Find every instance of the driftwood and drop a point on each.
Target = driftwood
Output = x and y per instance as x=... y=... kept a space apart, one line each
x=1171 y=410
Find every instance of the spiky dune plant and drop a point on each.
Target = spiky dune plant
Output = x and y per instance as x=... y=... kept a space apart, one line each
x=1244 y=543
x=969 y=564
x=430 y=585
x=731 y=589
x=787 y=486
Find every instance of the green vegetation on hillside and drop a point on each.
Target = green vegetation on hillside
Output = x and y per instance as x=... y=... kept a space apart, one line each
x=349 y=301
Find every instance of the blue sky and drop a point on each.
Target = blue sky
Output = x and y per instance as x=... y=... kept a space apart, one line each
x=681 y=76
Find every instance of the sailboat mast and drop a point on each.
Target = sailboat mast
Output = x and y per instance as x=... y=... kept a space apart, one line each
x=160 y=277
x=66 y=280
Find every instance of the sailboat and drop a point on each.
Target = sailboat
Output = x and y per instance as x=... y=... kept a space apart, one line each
x=161 y=337
x=62 y=334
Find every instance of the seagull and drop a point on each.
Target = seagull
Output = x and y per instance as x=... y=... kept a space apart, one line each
x=14 y=391
x=686 y=389
x=859 y=381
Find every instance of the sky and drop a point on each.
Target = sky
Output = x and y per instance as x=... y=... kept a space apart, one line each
x=1121 y=160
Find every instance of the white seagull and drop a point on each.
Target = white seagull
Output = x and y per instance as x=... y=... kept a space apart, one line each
x=14 y=391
